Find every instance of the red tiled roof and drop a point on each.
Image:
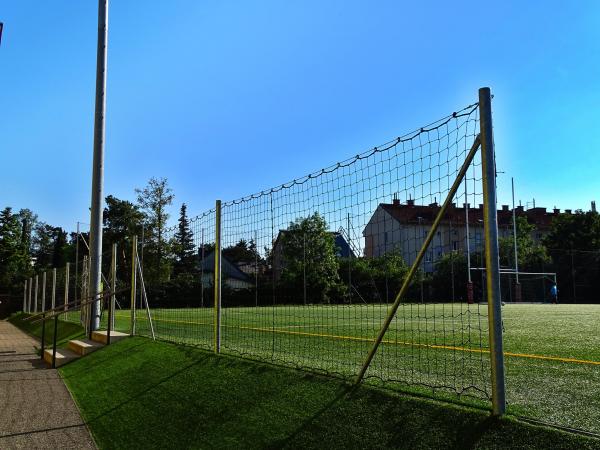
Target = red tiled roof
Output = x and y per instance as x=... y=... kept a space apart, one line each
x=411 y=213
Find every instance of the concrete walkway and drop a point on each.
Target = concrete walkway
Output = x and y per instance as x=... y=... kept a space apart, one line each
x=36 y=410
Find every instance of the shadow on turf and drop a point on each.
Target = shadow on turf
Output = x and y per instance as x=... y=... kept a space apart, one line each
x=472 y=435
x=101 y=359
x=305 y=426
x=148 y=389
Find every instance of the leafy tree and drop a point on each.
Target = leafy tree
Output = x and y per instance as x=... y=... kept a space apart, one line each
x=122 y=220
x=154 y=200
x=60 y=250
x=450 y=277
x=243 y=251
x=183 y=246
x=574 y=246
x=532 y=255
x=309 y=255
x=13 y=259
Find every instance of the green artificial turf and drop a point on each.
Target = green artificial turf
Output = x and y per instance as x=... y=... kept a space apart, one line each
x=336 y=339
x=314 y=337
x=143 y=394
x=65 y=330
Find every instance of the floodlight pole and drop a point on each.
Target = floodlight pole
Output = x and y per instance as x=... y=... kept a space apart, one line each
x=490 y=224
x=514 y=214
x=98 y=166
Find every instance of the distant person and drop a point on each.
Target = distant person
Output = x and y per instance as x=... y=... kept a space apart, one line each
x=554 y=294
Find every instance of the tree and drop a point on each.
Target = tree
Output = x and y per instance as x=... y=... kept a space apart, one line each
x=574 y=246
x=183 y=246
x=13 y=259
x=154 y=200
x=122 y=220
x=532 y=256
x=243 y=251
x=28 y=221
x=310 y=261
x=449 y=279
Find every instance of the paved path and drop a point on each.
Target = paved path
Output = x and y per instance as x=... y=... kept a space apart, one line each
x=36 y=410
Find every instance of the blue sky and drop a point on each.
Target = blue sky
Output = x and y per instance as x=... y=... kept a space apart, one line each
x=229 y=98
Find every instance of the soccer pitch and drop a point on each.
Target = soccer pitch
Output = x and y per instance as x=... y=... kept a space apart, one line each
x=552 y=352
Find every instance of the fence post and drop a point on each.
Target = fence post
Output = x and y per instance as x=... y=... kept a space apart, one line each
x=43 y=334
x=35 y=300
x=66 y=286
x=53 y=288
x=490 y=224
x=43 y=291
x=133 y=283
x=29 y=295
x=113 y=286
x=54 y=338
x=217 y=277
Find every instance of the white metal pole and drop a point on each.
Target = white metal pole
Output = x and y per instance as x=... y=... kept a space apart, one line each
x=66 y=286
x=29 y=295
x=25 y=297
x=44 y=292
x=35 y=296
x=467 y=231
x=134 y=260
x=54 y=288
x=77 y=263
x=514 y=214
x=113 y=285
x=98 y=166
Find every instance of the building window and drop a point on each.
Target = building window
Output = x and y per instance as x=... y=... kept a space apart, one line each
x=385 y=238
x=455 y=245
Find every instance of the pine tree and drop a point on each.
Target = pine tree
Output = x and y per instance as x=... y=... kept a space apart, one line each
x=184 y=245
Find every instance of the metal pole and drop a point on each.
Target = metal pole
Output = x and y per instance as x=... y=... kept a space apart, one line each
x=514 y=214
x=419 y=258
x=255 y=268
x=53 y=288
x=35 y=295
x=77 y=262
x=304 y=267
x=201 y=269
x=133 y=282
x=29 y=295
x=43 y=291
x=25 y=297
x=43 y=334
x=67 y=286
x=113 y=288
x=98 y=166
x=490 y=224
x=349 y=263
x=54 y=337
x=217 y=277
x=469 y=280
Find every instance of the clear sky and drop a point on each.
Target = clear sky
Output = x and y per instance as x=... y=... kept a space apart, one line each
x=228 y=98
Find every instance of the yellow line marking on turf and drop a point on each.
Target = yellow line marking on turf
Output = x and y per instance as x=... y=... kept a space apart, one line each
x=414 y=344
